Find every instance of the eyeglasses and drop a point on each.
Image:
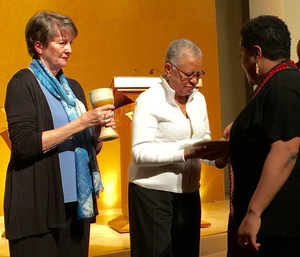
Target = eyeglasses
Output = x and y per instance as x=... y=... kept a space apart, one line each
x=189 y=76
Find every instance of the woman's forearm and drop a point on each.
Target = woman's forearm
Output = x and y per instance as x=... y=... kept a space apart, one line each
x=52 y=138
x=93 y=118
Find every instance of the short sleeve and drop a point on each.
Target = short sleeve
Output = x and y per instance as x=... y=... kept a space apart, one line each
x=281 y=108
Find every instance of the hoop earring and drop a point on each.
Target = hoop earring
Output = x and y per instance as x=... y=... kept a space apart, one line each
x=256 y=68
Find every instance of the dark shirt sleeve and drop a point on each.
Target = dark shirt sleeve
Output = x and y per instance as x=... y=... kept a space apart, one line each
x=281 y=109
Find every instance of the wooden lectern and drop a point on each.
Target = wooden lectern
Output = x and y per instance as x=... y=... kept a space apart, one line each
x=126 y=90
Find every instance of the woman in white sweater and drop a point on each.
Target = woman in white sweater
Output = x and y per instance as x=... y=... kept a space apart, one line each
x=164 y=175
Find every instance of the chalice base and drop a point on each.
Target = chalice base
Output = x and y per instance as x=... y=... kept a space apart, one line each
x=107 y=134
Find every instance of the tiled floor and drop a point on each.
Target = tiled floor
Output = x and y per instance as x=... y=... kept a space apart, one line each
x=108 y=242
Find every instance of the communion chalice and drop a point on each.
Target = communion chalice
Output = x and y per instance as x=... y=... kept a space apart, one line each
x=100 y=97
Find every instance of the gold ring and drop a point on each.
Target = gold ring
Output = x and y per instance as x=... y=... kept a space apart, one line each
x=105 y=117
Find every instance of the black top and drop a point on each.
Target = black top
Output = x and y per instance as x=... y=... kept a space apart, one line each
x=33 y=200
x=272 y=115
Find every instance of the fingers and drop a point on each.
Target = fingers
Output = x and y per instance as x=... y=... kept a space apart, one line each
x=226 y=131
x=107 y=117
x=109 y=120
x=222 y=162
x=101 y=117
x=254 y=244
x=244 y=241
x=248 y=242
x=250 y=246
x=104 y=113
x=225 y=134
x=104 y=117
x=204 y=153
x=200 y=148
x=106 y=107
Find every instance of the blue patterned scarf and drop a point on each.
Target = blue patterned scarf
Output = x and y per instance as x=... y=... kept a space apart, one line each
x=88 y=177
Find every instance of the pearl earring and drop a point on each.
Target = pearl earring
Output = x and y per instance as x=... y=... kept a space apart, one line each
x=256 y=68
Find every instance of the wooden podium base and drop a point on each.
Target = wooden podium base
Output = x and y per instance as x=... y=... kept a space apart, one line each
x=121 y=224
x=205 y=224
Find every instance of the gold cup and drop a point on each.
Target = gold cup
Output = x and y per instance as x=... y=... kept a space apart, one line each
x=100 y=97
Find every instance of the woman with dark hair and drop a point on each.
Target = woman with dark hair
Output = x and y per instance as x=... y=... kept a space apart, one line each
x=52 y=178
x=264 y=144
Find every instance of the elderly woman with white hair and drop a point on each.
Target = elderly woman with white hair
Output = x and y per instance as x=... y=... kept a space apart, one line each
x=164 y=199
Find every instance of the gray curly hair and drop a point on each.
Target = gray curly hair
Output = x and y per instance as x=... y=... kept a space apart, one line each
x=181 y=47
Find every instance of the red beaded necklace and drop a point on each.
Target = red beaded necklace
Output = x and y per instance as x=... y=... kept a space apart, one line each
x=282 y=66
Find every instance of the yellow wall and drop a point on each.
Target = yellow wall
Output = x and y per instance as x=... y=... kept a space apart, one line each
x=115 y=38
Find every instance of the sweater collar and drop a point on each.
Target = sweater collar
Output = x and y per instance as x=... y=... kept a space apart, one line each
x=170 y=92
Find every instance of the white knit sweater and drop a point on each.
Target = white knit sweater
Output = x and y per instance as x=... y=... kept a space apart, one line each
x=160 y=134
